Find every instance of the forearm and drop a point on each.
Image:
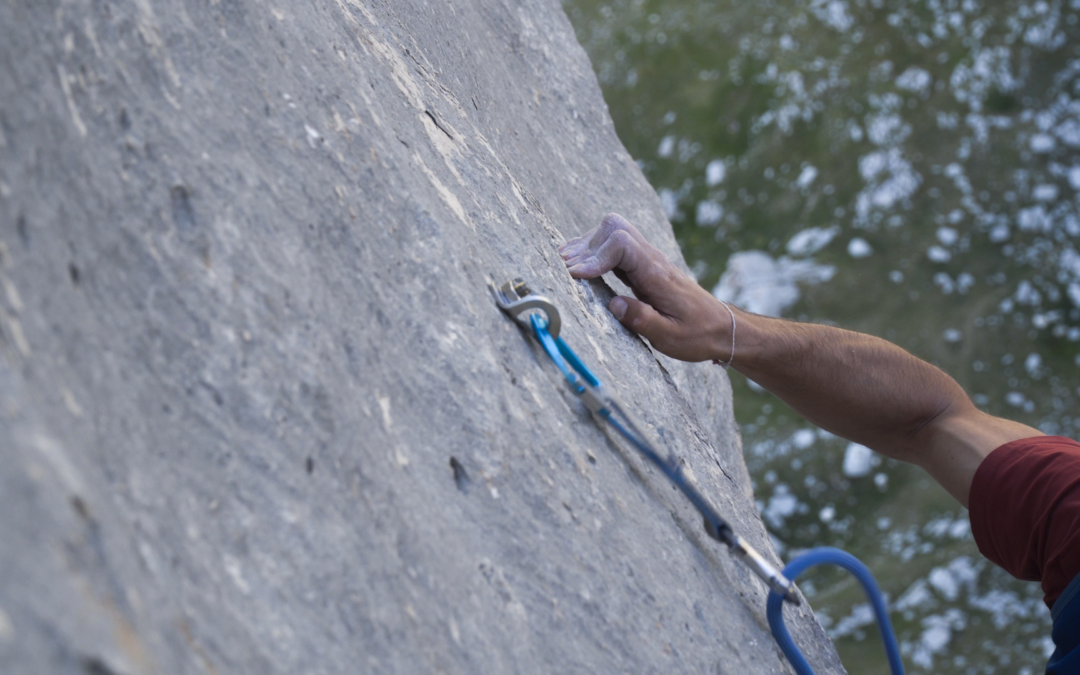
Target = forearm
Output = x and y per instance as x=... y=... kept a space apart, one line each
x=872 y=392
x=853 y=385
x=856 y=386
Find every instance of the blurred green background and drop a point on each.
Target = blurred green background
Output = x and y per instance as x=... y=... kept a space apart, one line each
x=906 y=169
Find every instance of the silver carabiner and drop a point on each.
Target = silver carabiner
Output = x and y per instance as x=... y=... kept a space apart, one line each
x=517 y=300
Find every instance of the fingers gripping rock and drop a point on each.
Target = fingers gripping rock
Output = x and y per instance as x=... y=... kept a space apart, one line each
x=671 y=310
x=586 y=245
x=617 y=251
x=613 y=245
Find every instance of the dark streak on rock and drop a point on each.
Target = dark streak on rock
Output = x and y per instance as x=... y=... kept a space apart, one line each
x=80 y=507
x=24 y=231
x=182 y=211
x=461 y=477
x=438 y=124
x=95 y=666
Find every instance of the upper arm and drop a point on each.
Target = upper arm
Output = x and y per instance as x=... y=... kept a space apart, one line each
x=954 y=444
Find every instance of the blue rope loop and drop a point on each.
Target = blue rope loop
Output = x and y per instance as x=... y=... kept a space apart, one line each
x=834 y=556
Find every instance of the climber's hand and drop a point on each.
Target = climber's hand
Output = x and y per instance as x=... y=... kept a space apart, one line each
x=676 y=315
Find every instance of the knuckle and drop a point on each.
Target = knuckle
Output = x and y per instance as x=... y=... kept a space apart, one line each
x=613 y=222
x=610 y=220
x=621 y=238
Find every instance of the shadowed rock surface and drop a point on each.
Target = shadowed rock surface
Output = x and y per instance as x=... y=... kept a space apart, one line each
x=258 y=410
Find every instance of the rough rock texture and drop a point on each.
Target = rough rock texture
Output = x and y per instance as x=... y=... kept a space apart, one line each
x=258 y=411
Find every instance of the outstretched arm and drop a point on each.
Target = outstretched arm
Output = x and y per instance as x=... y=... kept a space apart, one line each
x=856 y=386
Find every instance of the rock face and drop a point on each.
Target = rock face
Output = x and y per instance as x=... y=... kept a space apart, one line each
x=258 y=410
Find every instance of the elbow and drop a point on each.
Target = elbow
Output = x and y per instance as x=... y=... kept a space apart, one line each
x=924 y=423
x=923 y=426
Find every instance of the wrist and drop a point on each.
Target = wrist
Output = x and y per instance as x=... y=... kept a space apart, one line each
x=725 y=334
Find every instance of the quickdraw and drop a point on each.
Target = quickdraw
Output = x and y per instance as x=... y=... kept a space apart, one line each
x=522 y=304
x=538 y=315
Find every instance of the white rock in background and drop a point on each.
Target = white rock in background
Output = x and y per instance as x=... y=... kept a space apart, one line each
x=1045 y=193
x=887 y=129
x=709 y=212
x=943 y=580
x=890 y=179
x=782 y=505
x=947 y=236
x=1069 y=132
x=1042 y=143
x=667 y=146
x=1074 y=293
x=827 y=514
x=803 y=438
x=1033 y=364
x=715 y=172
x=858 y=248
x=756 y=282
x=916 y=596
x=1074 y=177
x=811 y=240
x=914 y=79
x=857 y=460
x=806 y=177
x=938 y=254
x=833 y=13
x=1015 y=399
x=670 y=201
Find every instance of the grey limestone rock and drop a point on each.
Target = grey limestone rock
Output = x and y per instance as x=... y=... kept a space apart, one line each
x=258 y=410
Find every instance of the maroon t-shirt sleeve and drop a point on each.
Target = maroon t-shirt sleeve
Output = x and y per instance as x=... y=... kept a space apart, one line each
x=1025 y=510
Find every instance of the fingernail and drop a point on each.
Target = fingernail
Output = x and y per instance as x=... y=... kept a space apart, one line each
x=617 y=307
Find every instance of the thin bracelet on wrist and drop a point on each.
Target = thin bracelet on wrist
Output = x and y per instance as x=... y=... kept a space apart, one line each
x=732 y=357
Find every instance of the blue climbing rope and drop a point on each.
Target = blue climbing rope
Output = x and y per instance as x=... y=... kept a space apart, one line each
x=834 y=556
x=596 y=399
x=781 y=584
x=561 y=354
